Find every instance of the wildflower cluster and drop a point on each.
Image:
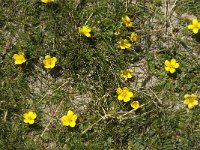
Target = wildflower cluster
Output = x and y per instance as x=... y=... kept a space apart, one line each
x=123 y=93
x=49 y=62
x=124 y=43
x=67 y=120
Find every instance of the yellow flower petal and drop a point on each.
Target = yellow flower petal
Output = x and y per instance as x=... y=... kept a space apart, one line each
x=126 y=99
x=167 y=68
x=190 y=106
x=34 y=115
x=195 y=103
x=177 y=65
x=31 y=121
x=186 y=96
x=186 y=101
x=130 y=94
x=128 y=45
x=172 y=70
x=88 y=34
x=119 y=90
x=72 y=124
x=167 y=63
x=54 y=59
x=173 y=62
x=70 y=113
x=21 y=53
x=193 y=96
x=25 y=115
x=15 y=56
x=190 y=26
x=120 y=97
x=47 y=56
x=195 y=21
x=47 y=1
x=195 y=30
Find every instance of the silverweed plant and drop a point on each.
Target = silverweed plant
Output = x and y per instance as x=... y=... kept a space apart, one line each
x=87 y=74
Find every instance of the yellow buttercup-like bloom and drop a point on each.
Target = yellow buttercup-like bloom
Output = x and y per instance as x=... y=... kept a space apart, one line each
x=47 y=1
x=29 y=117
x=124 y=94
x=118 y=31
x=85 y=30
x=19 y=58
x=190 y=100
x=195 y=26
x=124 y=43
x=49 y=62
x=171 y=65
x=127 y=21
x=126 y=74
x=135 y=105
x=69 y=119
x=133 y=37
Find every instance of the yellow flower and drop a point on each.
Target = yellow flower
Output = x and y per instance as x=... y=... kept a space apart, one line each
x=126 y=74
x=49 y=62
x=19 y=58
x=47 y=1
x=127 y=21
x=29 y=117
x=171 y=66
x=135 y=105
x=195 y=26
x=118 y=31
x=85 y=30
x=190 y=100
x=69 y=119
x=133 y=37
x=124 y=94
x=124 y=43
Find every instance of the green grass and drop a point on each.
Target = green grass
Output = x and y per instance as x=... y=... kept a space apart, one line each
x=86 y=75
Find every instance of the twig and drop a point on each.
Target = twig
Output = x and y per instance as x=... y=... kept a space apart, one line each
x=51 y=118
x=171 y=11
x=5 y=115
x=129 y=112
x=109 y=115
x=88 y=18
x=90 y=127
x=53 y=91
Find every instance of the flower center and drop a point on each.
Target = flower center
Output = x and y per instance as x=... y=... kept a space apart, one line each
x=124 y=94
x=21 y=58
x=30 y=118
x=195 y=26
x=172 y=66
x=191 y=100
x=69 y=119
x=49 y=62
x=123 y=43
